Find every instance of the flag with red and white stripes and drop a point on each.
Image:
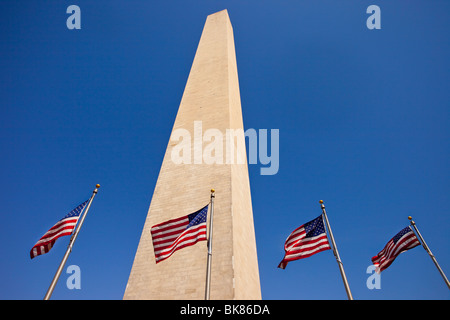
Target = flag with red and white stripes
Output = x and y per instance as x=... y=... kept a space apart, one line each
x=402 y=241
x=178 y=233
x=63 y=227
x=308 y=239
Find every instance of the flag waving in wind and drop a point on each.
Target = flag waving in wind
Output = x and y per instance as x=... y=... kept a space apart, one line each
x=308 y=239
x=178 y=233
x=402 y=241
x=63 y=227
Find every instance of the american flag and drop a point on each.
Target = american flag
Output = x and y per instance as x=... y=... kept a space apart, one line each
x=308 y=239
x=402 y=241
x=178 y=233
x=63 y=227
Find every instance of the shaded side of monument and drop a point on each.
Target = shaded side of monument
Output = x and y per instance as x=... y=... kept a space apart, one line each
x=211 y=98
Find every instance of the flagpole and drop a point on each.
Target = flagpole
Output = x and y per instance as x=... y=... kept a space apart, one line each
x=427 y=249
x=69 y=247
x=208 y=263
x=336 y=253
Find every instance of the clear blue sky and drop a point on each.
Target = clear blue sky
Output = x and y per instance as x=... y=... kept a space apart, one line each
x=363 y=118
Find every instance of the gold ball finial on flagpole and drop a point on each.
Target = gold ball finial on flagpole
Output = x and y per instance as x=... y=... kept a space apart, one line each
x=212 y=190
x=322 y=205
x=97 y=185
x=410 y=218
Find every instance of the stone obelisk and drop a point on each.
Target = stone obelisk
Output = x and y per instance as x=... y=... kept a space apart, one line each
x=211 y=100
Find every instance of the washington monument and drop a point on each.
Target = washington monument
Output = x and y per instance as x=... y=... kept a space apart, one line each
x=211 y=98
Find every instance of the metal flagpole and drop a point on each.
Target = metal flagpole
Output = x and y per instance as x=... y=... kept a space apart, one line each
x=69 y=247
x=427 y=249
x=208 y=263
x=336 y=253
